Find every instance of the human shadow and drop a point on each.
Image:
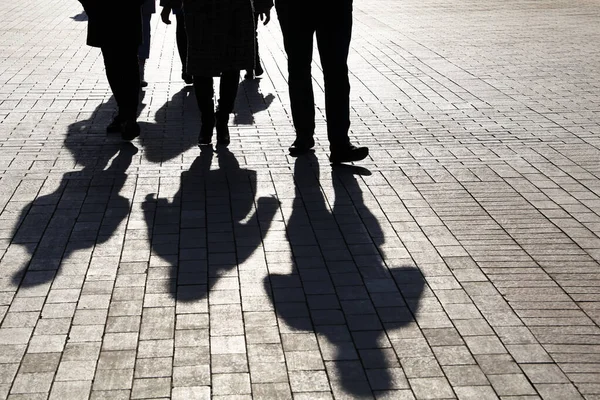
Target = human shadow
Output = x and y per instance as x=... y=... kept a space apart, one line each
x=81 y=211
x=255 y=102
x=342 y=289
x=175 y=129
x=211 y=225
x=82 y=16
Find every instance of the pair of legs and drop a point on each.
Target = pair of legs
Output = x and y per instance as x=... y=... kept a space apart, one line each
x=203 y=86
x=332 y=24
x=181 y=37
x=123 y=74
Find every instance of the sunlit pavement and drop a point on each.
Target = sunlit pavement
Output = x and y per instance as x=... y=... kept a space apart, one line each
x=460 y=260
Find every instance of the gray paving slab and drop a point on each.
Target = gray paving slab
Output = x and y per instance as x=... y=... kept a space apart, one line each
x=461 y=260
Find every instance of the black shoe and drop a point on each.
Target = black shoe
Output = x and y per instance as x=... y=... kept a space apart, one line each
x=302 y=145
x=222 y=120
x=116 y=125
x=143 y=84
x=187 y=78
x=258 y=71
x=348 y=154
x=130 y=130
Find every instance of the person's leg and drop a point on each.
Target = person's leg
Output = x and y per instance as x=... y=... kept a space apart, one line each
x=122 y=72
x=227 y=93
x=298 y=30
x=181 y=37
x=203 y=87
x=257 y=70
x=144 y=49
x=333 y=42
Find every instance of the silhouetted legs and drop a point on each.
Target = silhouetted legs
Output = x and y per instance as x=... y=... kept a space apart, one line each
x=123 y=74
x=203 y=87
x=332 y=23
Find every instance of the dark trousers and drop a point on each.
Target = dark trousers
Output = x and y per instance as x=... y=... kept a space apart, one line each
x=203 y=86
x=123 y=74
x=181 y=37
x=332 y=22
x=144 y=49
x=257 y=66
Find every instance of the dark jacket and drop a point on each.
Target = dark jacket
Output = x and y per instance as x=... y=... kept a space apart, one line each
x=260 y=6
x=113 y=22
x=149 y=7
x=220 y=33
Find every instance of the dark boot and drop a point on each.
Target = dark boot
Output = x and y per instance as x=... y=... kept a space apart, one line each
x=222 y=121
x=227 y=93
x=206 y=130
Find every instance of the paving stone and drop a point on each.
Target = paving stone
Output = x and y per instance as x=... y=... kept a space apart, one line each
x=37 y=382
x=460 y=258
x=70 y=390
x=151 y=388
x=511 y=385
x=231 y=384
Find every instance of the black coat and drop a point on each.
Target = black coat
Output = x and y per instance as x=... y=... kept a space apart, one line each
x=113 y=22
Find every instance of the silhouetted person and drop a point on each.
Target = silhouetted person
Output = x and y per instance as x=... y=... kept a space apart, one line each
x=148 y=8
x=180 y=34
x=220 y=43
x=351 y=304
x=257 y=69
x=56 y=225
x=116 y=28
x=331 y=20
x=207 y=198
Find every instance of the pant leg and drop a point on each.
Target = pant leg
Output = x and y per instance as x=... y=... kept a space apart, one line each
x=228 y=91
x=144 y=49
x=123 y=74
x=257 y=65
x=181 y=37
x=203 y=88
x=333 y=41
x=297 y=26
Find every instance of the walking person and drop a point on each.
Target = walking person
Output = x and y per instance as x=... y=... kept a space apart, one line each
x=148 y=8
x=116 y=28
x=332 y=22
x=257 y=70
x=220 y=36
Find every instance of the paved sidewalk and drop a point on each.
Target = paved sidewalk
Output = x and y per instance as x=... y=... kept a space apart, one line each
x=460 y=261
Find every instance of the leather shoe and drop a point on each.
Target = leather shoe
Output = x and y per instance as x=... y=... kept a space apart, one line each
x=130 y=130
x=302 y=145
x=348 y=154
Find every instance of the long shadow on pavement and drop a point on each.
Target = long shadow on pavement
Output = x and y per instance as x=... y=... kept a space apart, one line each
x=346 y=294
x=84 y=209
x=256 y=102
x=211 y=225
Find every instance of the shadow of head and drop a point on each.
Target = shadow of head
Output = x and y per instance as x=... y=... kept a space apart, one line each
x=175 y=130
x=352 y=301
x=250 y=101
x=52 y=228
x=194 y=232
